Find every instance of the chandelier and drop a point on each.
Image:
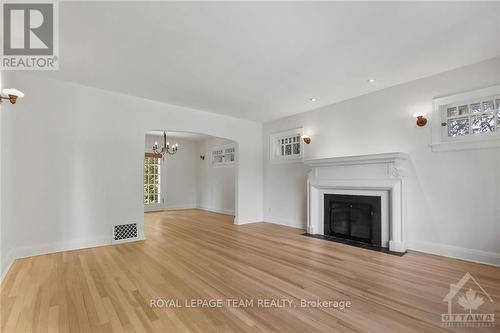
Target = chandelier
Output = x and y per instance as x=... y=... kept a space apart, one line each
x=166 y=149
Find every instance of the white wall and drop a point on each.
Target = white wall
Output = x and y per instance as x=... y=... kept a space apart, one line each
x=178 y=174
x=77 y=162
x=1 y=154
x=216 y=185
x=7 y=154
x=8 y=112
x=454 y=207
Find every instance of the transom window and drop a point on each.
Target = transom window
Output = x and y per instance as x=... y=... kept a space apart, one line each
x=287 y=145
x=152 y=176
x=475 y=117
x=224 y=155
x=468 y=120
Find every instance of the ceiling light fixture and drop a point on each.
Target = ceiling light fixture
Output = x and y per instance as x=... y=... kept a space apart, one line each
x=166 y=149
x=312 y=99
x=371 y=80
x=11 y=94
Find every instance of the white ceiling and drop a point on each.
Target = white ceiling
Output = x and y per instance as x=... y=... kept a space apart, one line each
x=262 y=61
x=181 y=135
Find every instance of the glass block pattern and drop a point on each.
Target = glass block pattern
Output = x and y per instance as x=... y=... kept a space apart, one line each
x=452 y=112
x=458 y=127
x=125 y=231
x=488 y=106
x=289 y=146
x=477 y=117
x=463 y=110
x=152 y=177
x=483 y=124
x=217 y=156
x=475 y=108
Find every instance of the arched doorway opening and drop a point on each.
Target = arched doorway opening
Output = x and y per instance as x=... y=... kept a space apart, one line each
x=201 y=174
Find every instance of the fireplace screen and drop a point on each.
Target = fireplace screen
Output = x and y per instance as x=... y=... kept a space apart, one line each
x=353 y=217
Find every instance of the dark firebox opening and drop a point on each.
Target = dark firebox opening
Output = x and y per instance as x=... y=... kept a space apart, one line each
x=354 y=217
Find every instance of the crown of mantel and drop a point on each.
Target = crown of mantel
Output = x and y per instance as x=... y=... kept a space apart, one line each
x=383 y=158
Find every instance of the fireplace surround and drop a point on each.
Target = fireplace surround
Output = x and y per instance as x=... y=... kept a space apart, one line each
x=377 y=175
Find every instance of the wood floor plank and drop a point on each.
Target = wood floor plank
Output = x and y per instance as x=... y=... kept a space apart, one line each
x=196 y=255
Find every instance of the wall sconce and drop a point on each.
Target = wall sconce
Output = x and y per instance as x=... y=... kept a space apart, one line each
x=421 y=119
x=202 y=157
x=11 y=94
x=306 y=138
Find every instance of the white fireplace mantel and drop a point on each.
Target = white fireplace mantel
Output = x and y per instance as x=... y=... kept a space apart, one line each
x=376 y=174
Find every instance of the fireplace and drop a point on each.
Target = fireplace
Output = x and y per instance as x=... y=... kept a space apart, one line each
x=353 y=217
x=376 y=175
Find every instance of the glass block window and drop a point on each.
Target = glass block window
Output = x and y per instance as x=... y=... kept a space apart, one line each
x=152 y=178
x=230 y=154
x=217 y=156
x=477 y=117
x=287 y=145
x=224 y=155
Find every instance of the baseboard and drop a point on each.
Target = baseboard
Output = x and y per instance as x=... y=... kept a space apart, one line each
x=180 y=207
x=193 y=206
x=37 y=250
x=289 y=223
x=237 y=222
x=217 y=210
x=483 y=257
x=6 y=263
x=171 y=207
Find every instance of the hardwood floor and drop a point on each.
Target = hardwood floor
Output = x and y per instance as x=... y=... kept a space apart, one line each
x=192 y=255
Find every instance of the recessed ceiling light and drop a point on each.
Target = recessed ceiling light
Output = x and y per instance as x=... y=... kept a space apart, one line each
x=313 y=99
x=371 y=80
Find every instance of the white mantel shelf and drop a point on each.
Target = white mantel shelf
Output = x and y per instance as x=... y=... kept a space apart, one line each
x=382 y=158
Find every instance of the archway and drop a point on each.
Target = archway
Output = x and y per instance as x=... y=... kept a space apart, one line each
x=202 y=173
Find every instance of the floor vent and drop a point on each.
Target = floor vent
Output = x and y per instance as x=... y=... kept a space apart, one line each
x=123 y=232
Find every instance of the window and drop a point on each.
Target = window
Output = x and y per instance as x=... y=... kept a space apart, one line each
x=152 y=180
x=224 y=155
x=468 y=120
x=479 y=117
x=286 y=146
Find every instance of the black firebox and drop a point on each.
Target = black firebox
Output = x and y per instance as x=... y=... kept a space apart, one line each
x=354 y=217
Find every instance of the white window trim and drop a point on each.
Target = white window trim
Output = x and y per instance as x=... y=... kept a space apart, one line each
x=440 y=142
x=223 y=147
x=275 y=158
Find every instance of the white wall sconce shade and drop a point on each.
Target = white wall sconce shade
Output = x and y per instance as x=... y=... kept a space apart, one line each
x=11 y=94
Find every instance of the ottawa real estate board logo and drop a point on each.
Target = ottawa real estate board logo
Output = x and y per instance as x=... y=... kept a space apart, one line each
x=30 y=35
x=469 y=305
